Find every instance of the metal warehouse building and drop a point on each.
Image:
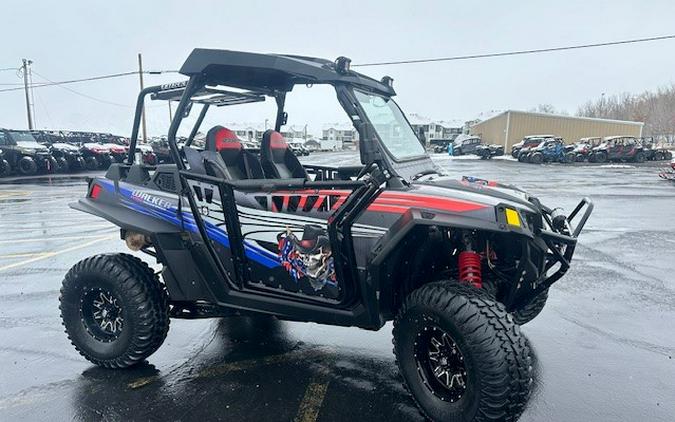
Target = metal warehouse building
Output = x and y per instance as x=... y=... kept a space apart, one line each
x=512 y=126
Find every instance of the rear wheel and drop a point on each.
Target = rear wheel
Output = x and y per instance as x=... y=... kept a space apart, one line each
x=579 y=158
x=90 y=163
x=668 y=155
x=5 y=168
x=600 y=157
x=461 y=355
x=639 y=157
x=27 y=166
x=536 y=158
x=62 y=165
x=570 y=157
x=114 y=309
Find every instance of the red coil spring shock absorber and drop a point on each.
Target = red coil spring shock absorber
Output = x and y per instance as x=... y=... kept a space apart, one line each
x=470 y=268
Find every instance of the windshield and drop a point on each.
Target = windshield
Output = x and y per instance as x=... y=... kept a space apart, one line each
x=23 y=138
x=391 y=126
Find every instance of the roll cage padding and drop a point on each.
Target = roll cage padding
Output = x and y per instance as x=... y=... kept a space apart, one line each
x=277 y=159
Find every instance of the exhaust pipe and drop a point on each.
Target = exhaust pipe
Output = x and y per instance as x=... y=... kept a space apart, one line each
x=136 y=241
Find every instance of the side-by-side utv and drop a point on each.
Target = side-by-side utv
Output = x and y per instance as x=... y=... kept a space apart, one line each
x=456 y=264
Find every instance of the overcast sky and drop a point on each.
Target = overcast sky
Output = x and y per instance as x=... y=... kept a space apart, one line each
x=77 y=38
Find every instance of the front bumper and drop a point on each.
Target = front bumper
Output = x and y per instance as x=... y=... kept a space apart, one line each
x=546 y=257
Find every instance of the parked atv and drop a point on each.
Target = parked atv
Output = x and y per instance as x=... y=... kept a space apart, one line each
x=5 y=168
x=528 y=142
x=24 y=154
x=456 y=264
x=550 y=151
x=618 y=148
x=147 y=154
x=96 y=156
x=653 y=153
x=486 y=152
x=583 y=147
x=68 y=157
x=465 y=144
x=118 y=152
x=162 y=151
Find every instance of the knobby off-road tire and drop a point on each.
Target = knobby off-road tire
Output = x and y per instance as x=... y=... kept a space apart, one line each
x=90 y=163
x=528 y=312
x=27 y=166
x=5 y=168
x=488 y=357
x=98 y=290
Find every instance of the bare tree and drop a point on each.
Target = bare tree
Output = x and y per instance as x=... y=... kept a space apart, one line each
x=655 y=109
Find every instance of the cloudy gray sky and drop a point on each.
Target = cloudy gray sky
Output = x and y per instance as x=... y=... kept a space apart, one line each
x=77 y=38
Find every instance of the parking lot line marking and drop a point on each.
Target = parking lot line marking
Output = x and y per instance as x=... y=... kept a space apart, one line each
x=44 y=239
x=13 y=193
x=20 y=255
x=51 y=254
x=142 y=382
x=313 y=399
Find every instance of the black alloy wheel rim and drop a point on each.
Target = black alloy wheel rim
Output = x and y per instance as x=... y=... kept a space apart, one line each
x=101 y=314
x=440 y=364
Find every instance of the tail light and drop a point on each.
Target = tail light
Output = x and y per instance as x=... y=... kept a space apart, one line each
x=95 y=191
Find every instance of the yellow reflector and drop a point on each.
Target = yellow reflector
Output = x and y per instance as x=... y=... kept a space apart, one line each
x=512 y=217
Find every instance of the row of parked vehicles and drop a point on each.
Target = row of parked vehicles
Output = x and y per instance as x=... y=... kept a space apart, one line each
x=538 y=149
x=469 y=145
x=27 y=153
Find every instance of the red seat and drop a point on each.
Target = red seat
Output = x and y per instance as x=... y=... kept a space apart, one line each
x=277 y=159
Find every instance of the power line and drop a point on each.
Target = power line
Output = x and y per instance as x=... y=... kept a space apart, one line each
x=79 y=93
x=93 y=78
x=518 y=52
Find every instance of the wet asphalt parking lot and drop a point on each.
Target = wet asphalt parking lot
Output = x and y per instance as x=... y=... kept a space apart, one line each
x=603 y=346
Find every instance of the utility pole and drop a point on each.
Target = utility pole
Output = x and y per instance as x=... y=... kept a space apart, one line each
x=140 y=78
x=24 y=67
x=170 y=112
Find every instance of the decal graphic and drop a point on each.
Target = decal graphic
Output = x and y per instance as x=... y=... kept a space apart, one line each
x=308 y=257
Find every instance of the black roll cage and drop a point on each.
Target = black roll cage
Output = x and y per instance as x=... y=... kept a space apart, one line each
x=363 y=190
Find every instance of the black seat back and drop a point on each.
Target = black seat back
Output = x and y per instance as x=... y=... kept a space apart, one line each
x=225 y=157
x=277 y=159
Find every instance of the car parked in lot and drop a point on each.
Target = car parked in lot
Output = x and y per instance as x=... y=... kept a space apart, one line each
x=466 y=144
x=24 y=154
x=618 y=148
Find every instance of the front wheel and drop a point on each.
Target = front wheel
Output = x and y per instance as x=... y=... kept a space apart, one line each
x=461 y=355
x=114 y=309
x=62 y=165
x=27 y=166
x=639 y=157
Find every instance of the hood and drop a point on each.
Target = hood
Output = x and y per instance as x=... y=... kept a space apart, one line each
x=116 y=147
x=476 y=190
x=28 y=145
x=96 y=147
x=65 y=147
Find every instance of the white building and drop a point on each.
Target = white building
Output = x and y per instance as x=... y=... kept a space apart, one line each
x=436 y=129
x=341 y=132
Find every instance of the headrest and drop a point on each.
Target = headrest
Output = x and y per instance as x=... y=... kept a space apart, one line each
x=219 y=138
x=276 y=140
